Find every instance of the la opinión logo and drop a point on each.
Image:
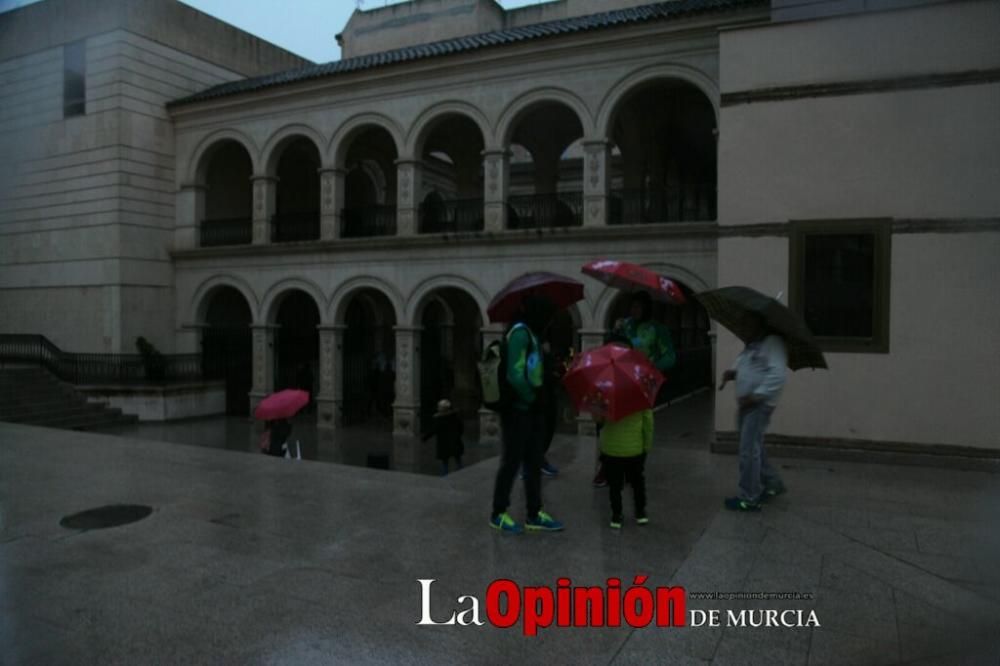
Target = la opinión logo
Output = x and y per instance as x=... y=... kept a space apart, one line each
x=507 y=604
x=540 y=607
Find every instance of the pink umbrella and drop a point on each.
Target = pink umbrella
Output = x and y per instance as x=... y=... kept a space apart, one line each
x=281 y=405
x=623 y=275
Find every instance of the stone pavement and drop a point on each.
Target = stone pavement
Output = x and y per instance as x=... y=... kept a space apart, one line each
x=252 y=560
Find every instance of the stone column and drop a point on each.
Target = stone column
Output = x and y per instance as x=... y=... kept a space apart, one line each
x=596 y=182
x=263 y=363
x=331 y=202
x=496 y=165
x=406 y=410
x=408 y=173
x=265 y=190
x=589 y=339
x=330 y=401
x=189 y=215
x=489 y=422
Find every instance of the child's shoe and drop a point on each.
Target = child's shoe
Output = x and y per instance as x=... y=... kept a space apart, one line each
x=616 y=522
x=642 y=519
x=543 y=522
x=504 y=523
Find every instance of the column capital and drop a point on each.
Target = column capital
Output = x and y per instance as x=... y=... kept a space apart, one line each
x=592 y=331
x=596 y=142
x=496 y=152
x=264 y=327
x=336 y=171
x=263 y=178
x=405 y=161
x=407 y=329
x=336 y=328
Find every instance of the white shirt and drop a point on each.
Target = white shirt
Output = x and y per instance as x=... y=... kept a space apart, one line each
x=760 y=370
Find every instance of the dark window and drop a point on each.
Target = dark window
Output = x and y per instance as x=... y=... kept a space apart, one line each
x=839 y=282
x=74 y=79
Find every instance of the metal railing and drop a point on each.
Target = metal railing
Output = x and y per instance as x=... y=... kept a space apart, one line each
x=292 y=227
x=100 y=368
x=540 y=211
x=464 y=215
x=369 y=221
x=688 y=202
x=231 y=231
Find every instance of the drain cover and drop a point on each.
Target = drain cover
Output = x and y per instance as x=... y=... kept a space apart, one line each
x=111 y=515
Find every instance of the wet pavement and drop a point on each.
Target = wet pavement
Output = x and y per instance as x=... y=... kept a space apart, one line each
x=247 y=559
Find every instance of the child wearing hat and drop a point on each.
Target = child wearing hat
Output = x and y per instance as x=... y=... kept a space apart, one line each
x=447 y=426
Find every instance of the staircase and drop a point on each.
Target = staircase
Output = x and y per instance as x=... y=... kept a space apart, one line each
x=33 y=396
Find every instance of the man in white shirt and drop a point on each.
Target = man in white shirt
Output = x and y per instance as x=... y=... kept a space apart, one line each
x=759 y=373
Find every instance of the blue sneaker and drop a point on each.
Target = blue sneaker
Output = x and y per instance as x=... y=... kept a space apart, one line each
x=548 y=469
x=504 y=523
x=543 y=522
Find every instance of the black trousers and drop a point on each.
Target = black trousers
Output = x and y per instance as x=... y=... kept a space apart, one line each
x=522 y=433
x=617 y=471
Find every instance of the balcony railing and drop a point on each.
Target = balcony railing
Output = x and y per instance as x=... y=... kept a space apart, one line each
x=100 y=368
x=690 y=202
x=291 y=227
x=464 y=215
x=539 y=211
x=369 y=221
x=230 y=231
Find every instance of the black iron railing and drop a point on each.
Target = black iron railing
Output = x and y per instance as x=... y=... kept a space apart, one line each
x=689 y=202
x=291 y=227
x=464 y=215
x=100 y=368
x=369 y=221
x=538 y=211
x=232 y=231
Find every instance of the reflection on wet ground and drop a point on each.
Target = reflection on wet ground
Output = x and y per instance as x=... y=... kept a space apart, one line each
x=372 y=446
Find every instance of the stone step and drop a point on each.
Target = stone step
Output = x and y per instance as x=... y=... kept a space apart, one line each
x=41 y=410
x=81 y=421
x=36 y=397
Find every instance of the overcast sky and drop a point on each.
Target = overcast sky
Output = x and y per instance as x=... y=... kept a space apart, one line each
x=305 y=27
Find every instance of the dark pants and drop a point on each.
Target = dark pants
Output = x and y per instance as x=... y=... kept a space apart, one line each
x=522 y=434
x=617 y=471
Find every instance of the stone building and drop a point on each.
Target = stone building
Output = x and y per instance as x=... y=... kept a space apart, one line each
x=351 y=220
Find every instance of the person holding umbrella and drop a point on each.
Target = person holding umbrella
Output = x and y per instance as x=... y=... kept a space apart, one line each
x=523 y=421
x=648 y=336
x=774 y=338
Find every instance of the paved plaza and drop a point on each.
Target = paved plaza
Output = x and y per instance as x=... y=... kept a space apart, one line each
x=252 y=560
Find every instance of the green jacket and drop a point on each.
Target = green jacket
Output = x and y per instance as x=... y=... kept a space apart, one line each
x=525 y=368
x=653 y=339
x=628 y=437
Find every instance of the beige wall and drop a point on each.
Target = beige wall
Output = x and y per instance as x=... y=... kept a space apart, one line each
x=940 y=381
x=931 y=153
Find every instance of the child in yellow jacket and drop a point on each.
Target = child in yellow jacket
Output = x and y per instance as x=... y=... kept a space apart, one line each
x=624 y=445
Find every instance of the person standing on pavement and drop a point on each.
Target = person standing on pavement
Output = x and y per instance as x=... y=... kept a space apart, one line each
x=759 y=373
x=523 y=421
x=647 y=336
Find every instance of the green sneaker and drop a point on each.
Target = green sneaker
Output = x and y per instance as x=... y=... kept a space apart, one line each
x=504 y=523
x=642 y=520
x=616 y=522
x=543 y=522
x=737 y=504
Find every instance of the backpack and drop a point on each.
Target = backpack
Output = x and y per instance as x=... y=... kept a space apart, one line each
x=498 y=394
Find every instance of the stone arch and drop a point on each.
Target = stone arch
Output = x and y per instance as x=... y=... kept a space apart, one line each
x=203 y=295
x=429 y=116
x=337 y=306
x=336 y=151
x=682 y=274
x=512 y=112
x=196 y=165
x=423 y=292
x=618 y=92
x=279 y=139
x=270 y=302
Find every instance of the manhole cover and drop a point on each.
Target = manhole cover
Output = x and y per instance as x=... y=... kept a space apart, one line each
x=112 y=515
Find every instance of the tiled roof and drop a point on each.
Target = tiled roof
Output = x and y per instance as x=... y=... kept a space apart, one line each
x=659 y=11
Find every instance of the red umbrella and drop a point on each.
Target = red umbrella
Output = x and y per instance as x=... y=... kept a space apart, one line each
x=612 y=382
x=562 y=291
x=623 y=275
x=281 y=405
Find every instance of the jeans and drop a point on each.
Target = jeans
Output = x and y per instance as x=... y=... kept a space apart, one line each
x=522 y=433
x=617 y=471
x=755 y=471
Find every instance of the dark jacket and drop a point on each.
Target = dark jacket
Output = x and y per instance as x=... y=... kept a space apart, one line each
x=448 y=428
x=280 y=431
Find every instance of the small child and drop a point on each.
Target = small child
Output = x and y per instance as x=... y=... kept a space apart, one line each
x=448 y=427
x=624 y=445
